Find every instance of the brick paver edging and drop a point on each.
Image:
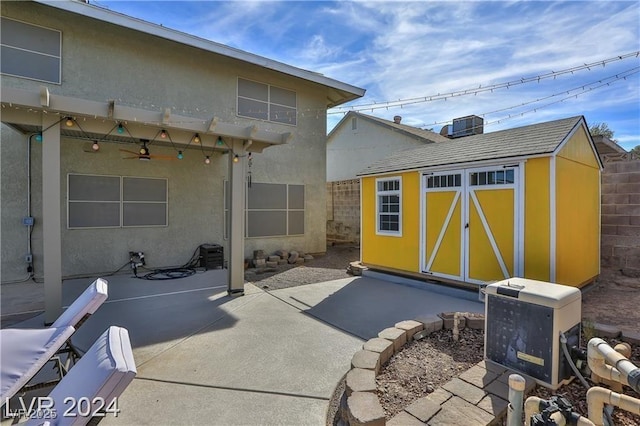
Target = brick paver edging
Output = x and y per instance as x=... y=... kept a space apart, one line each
x=467 y=399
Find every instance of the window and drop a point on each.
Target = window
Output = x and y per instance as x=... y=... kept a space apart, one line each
x=275 y=210
x=115 y=201
x=388 y=209
x=493 y=177
x=30 y=51
x=444 y=181
x=266 y=102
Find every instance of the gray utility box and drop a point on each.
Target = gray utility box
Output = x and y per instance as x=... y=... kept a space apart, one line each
x=524 y=319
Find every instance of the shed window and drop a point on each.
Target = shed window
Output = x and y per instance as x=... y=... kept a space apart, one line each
x=266 y=102
x=115 y=201
x=30 y=51
x=492 y=177
x=444 y=181
x=389 y=206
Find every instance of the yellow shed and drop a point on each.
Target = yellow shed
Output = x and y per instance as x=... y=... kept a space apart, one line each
x=523 y=202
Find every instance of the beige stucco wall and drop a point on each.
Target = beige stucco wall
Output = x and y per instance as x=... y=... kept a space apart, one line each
x=103 y=62
x=349 y=151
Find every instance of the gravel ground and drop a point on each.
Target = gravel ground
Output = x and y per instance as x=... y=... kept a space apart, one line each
x=326 y=267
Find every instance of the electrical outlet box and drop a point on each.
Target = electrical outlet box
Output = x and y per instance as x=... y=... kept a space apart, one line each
x=28 y=221
x=28 y=258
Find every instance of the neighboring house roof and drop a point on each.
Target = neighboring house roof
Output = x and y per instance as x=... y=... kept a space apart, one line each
x=425 y=135
x=535 y=139
x=607 y=146
x=343 y=92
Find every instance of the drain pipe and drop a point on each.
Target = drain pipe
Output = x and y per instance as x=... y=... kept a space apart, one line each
x=621 y=369
x=597 y=397
x=516 y=399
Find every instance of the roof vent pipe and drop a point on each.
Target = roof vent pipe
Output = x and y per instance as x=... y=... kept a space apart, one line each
x=397 y=119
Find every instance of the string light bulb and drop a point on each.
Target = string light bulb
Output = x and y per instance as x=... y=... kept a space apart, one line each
x=219 y=142
x=236 y=158
x=180 y=156
x=120 y=128
x=163 y=134
x=196 y=138
x=39 y=137
x=69 y=122
x=207 y=160
x=95 y=146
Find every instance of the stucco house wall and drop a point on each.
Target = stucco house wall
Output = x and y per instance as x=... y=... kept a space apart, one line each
x=357 y=141
x=101 y=62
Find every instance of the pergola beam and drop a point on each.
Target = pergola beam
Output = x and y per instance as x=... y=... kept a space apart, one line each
x=12 y=98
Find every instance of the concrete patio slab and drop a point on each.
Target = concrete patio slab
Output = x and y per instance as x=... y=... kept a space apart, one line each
x=204 y=357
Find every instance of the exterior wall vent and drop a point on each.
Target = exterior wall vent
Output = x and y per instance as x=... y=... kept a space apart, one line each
x=467 y=126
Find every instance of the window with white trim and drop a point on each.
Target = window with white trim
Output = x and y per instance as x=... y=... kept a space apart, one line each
x=389 y=206
x=266 y=102
x=493 y=177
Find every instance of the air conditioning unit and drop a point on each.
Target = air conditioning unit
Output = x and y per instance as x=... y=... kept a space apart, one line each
x=524 y=321
x=467 y=126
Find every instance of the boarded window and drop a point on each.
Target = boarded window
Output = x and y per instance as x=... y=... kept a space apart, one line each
x=115 y=201
x=30 y=51
x=266 y=102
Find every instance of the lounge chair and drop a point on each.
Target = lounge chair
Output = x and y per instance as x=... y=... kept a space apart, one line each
x=24 y=352
x=84 y=306
x=78 y=312
x=98 y=379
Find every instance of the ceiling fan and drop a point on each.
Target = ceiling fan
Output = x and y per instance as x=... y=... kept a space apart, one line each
x=144 y=154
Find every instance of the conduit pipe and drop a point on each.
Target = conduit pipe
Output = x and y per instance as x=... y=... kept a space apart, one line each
x=621 y=369
x=597 y=397
x=531 y=407
x=516 y=399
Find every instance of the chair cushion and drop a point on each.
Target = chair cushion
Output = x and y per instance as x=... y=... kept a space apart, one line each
x=87 y=303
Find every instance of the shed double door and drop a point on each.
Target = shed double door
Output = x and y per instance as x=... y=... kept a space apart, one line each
x=470 y=224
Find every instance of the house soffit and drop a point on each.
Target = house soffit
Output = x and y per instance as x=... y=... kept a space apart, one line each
x=339 y=92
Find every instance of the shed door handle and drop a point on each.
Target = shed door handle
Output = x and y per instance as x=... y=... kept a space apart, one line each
x=466 y=226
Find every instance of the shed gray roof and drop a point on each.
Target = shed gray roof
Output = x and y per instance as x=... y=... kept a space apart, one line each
x=535 y=139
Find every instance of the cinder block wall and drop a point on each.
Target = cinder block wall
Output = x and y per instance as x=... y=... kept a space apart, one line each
x=343 y=211
x=621 y=215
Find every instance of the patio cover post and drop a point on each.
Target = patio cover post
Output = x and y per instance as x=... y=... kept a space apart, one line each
x=237 y=187
x=51 y=217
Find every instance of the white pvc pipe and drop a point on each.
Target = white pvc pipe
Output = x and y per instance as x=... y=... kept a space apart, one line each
x=597 y=397
x=517 y=385
x=531 y=407
x=599 y=351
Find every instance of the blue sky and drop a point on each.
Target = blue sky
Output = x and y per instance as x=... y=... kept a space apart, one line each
x=407 y=50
